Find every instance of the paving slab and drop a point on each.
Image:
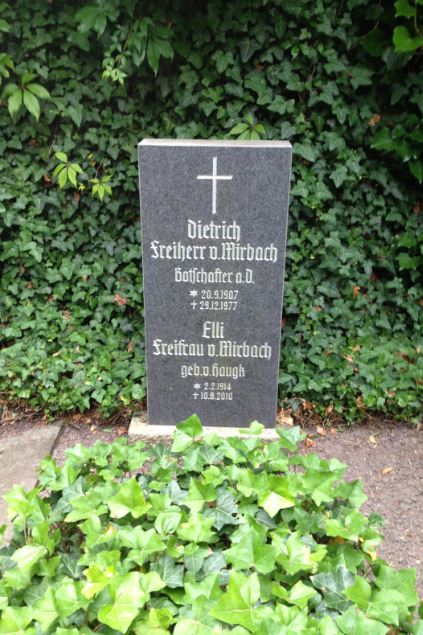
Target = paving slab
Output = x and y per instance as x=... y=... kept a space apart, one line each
x=20 y=457
x=139 y=426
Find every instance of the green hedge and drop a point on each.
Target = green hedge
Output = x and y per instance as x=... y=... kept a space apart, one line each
x=71 y=299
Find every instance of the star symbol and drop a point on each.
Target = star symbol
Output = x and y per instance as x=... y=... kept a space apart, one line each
x=193 y=293
x=197 y=386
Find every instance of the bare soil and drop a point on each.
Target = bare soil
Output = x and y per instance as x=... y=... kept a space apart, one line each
x=386 y=456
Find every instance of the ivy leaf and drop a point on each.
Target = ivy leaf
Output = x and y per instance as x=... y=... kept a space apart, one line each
x=26 y=557
x=339 y=175
x=332 y=585
x=223 y=60
x=45 y=610
x=404 y=9
x=360 y=76
x=214 y=563
x=24 y=562
x=305 y=151
x=416 y=169
x=186 y=432
x=151 y=582
x=171 y=574
x=69 y=598
x=167 y=522
x=191 y=426
x=194 y=557
x=97 y=580
x=359 y=593
x=293 y=554
x=350 y=527
x=156 y=623
x=142 y=543
x=375 y=42
x=299 y=594
x=353 y=621
x=383 y=140
x=129 y=499
x=386 y=605
x=225 y=510
x=193 y=460
x=196 y=626
x=408 y=262
x=404 y=42
x=127 y=598
x=289 y=438
x=272 y=503
x=87 y=505
x=198 y=494
x=403 y=581
x=247 y=48
x=251 y=552
x=175 y=493
x=237 y=605
x=279 y=105
x=286 y=130
x=353 y=492
x=14 y=620
x=76 y=114
x=196 y=529
x=328 y=627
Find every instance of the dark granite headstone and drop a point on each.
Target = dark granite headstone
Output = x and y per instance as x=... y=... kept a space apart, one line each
x=214 y=221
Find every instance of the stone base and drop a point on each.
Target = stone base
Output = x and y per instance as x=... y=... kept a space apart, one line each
x=20 y=458
x=140 y=427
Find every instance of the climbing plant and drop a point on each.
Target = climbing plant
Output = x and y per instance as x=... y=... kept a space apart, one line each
x=71 y=302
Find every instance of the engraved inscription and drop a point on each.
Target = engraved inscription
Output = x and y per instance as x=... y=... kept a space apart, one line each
x=213 y=254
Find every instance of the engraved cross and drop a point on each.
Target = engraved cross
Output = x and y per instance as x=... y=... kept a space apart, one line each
x=214 y=177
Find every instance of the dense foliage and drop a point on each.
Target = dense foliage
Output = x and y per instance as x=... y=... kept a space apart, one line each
x=402 y=131
x=215 y=536
x=320 y=73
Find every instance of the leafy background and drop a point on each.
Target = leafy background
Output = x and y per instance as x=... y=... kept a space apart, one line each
x=324 y=75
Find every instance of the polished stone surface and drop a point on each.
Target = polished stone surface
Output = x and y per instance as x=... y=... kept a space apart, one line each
x=214 y=220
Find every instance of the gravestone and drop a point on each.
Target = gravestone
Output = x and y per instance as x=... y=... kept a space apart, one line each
x=214 y=222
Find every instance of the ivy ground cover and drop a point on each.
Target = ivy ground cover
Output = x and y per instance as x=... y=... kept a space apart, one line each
x=207 y=537
x=102 y=75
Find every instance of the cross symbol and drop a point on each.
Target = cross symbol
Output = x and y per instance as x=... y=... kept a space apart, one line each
x=214 y=177
x=193 y=304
